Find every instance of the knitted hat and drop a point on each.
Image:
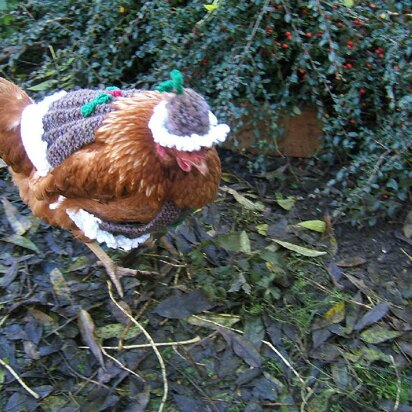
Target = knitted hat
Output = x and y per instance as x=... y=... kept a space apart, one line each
x=184 y=121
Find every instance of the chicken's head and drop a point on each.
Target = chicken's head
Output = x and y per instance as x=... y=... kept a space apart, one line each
x=184 y=128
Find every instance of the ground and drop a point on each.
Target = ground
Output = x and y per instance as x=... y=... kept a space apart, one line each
x=255 y=311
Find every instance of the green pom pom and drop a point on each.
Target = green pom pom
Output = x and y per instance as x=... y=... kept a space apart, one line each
x=175 y=84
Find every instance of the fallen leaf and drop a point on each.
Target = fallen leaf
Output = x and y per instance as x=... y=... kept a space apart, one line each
x=187 y=404
x=315 y=225
x=60 y=286
x=262 y=229
x=114 y=330
x=369 y=354
x=320 y=336
x=335 y=274
x=378 y=334
x=285 y=203
x=242 y=347
x=213 y=320
x=299 y=249
x=183 y=305
x=407 y=226
x=245 y=246
x=87 y=328
x=235 y=242
x=360 y=284
x=229 y=177
x=335 y=314
x=21 y=241
x=245 y=202
x=351 y=262
x=340 y=374
x=240 y=283
x=211 y=7
x=20 y=224
x=373 y=316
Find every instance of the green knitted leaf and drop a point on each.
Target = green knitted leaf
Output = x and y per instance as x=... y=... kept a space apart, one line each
x=177 y=78
x=87 y=109
x=175 y=84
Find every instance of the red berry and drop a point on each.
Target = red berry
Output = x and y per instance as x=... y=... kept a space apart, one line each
x=362 y=91
x=357 y=22
x=381 y=55
x=269 y=30
x=396 y=67
x=372 y=5
x=285 y=46
x=308 y=34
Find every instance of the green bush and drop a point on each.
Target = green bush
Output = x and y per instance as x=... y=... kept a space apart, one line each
x=348 y=58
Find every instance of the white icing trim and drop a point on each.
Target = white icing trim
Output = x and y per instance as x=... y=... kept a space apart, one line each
x=89 y=225
x=32 y=132
x=157 y=124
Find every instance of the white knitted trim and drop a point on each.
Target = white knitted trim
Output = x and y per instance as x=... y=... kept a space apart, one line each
x=32 y=132
x=157 y=124
x=89 y=225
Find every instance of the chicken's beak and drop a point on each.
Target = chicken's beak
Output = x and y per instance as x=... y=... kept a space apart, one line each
x=197 y=159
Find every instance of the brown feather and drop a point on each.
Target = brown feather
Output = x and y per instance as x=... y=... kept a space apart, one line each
x=12 y=102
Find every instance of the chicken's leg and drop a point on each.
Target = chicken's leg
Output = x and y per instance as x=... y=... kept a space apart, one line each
x=115 y=272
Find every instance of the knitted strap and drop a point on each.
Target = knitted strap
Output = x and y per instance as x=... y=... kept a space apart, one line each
x=168 y=215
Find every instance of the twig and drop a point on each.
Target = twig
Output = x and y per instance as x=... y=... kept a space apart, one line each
x=19 y=380
x=152 y=344
x=398 y=385
x=121 y=365
x=148 y=345
x=286 y=362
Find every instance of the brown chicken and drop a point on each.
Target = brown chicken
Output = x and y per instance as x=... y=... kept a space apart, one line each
x=111 y=166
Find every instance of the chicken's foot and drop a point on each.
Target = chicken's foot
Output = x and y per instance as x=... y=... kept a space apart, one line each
x=114 y=271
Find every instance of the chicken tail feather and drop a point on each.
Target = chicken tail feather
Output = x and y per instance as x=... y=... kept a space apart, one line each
x=13 y=100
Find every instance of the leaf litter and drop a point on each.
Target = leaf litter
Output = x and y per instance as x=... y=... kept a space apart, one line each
x=244 y=321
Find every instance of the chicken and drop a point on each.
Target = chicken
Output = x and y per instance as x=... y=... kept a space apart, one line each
x=111 y=166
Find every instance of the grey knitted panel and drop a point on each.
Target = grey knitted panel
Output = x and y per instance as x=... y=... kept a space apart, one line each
x=168 y=215
x=76 y=135
x=188 y=113
x=66 y=130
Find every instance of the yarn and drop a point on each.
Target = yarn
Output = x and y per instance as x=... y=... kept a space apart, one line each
x=88 y=108
x=66 y=130
x=175 y=84
x=168 y=215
